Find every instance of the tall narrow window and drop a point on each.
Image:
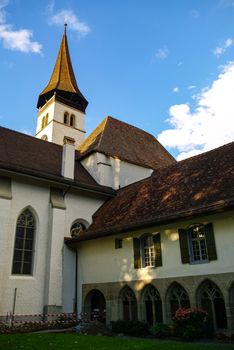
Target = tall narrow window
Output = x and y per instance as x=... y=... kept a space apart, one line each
x=46 y=118
x=153 y=305
x=72 y=120
x=148 y=255
x=198 y=243
x=24 y=239
x=129 y=304
x=211 y=299
x=65 y=118
x=43 y=123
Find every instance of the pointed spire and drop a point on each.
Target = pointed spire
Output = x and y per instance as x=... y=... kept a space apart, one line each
x=63 y=82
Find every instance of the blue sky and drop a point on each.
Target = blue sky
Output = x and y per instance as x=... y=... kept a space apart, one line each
x=166 y=66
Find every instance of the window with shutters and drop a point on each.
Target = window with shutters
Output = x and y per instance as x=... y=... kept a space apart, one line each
x=197 y=244
x=147 y=251
x=24 y=242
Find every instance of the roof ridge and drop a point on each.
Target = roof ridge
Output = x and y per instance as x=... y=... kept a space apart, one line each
x=102 y=133
x=203 y=154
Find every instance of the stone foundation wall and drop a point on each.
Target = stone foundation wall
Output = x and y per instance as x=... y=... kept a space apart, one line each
x=191 y=284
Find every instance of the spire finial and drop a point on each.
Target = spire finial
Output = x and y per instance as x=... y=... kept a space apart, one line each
x=65 y=27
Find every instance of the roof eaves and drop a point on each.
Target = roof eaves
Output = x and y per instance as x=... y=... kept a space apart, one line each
x=54 y=178
x=218 y=206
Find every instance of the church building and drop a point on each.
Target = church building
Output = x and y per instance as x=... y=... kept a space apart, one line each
x=111 y=223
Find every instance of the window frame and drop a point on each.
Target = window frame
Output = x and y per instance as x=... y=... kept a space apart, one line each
x=198 y=240
x=23 y=251
x=148 y=253
x=185 y=246
x=154 y=248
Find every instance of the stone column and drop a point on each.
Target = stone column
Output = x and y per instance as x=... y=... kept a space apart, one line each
x=54 y=275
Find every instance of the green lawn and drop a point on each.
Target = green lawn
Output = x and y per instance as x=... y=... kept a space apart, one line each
x=59 y=341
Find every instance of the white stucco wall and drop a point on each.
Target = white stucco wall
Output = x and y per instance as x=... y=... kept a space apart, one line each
x=30 y=289
x=53 y=278
x=100 y=262
x=113 y=172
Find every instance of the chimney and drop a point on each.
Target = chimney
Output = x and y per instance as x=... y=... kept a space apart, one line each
x=68 y=160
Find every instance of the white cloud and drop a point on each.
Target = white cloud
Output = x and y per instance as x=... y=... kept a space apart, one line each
x=209 y=125
x=69 y=17
x=162 y=53
x=191 y=87
x=175 y=89
x=219 y=50
x=18 y=40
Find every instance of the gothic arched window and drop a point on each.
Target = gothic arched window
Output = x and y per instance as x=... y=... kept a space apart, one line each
x=178 y=298
x=153 y=305
x=24 y=242
x=210 y=298
x=129 y=304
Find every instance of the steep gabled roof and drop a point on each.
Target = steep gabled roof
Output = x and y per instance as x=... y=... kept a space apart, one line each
x=196 y=186
x=126 y=142
x=63 y=82
x=26 y=154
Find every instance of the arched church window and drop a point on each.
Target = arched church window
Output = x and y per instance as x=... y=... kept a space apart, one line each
x=210 y=298
x=24 y=242
x=153 y=305
x=178 y=298
x=66 y=118
x=129 y=304
x=72 y=120
x=77 y=228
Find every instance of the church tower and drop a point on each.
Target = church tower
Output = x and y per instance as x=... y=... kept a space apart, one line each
x=61 y=105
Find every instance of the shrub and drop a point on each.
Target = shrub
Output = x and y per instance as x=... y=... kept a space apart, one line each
x=190 y=323
x=135 y=328
x=160 y=330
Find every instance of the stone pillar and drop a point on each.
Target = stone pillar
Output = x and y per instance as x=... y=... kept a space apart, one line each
x=54 y=276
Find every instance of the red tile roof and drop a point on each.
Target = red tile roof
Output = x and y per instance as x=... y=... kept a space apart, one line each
x=24 y=153
x=126 y=142
x=196 y=186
